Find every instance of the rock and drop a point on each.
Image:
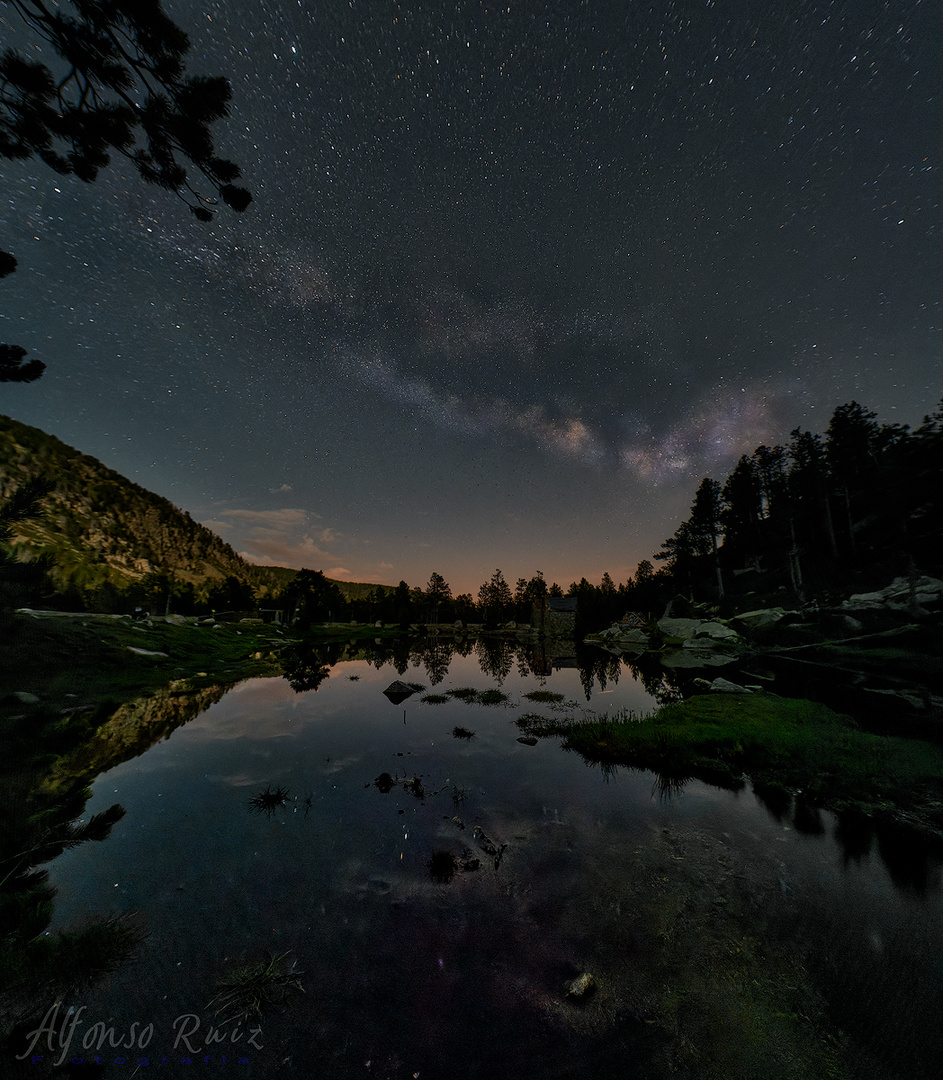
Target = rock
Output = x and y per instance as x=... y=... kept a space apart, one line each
x=897 y=596
x=488 y=846
x=913 y=700
x=145 y=652
x=716 y=632
x=527 y=740
x=695 y=658
x=762 y=619
x=679 y=628
x=398 y=691
x=836 y=622
x=581 y=986
x=701 y=643
x=725 y=686
x=25 y=698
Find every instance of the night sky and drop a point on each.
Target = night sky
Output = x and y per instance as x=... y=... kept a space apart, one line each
x=514 y=278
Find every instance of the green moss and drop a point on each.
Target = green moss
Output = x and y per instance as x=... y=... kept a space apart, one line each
x=782 y=742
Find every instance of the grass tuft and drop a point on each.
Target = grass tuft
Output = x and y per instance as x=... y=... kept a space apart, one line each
x=250 y=989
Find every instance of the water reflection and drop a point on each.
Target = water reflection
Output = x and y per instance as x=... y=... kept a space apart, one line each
x=446 y=891
x=307 y=664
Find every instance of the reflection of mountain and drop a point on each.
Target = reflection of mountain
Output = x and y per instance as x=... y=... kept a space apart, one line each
x=134 y=728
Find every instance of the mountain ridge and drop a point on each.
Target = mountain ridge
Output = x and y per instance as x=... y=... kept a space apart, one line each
x=99 y=527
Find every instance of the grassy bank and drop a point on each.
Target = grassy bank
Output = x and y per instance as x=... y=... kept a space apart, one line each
x=92 y=658
x=780 y=744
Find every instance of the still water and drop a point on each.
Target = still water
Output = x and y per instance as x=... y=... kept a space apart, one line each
x=410 y=970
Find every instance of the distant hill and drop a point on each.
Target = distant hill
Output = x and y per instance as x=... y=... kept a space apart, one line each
x=98 y=526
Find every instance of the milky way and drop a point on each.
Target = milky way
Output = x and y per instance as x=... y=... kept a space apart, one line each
x=515 y=278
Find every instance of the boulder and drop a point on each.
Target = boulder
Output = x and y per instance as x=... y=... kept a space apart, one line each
x=897 y=595
x=725 y=686
x=679 y=628
x=716 y=632
x=762 y=619
x=695 y=658
x=398 y=691
x=25 y=698
x=581 y=986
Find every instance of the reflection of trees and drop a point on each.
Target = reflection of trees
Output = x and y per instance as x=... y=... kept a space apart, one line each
x=596 y=666
x=436 y=658
x=464 y=646
x=306 y=667
x=399 y=655
x=663 y=684
x=495 y=657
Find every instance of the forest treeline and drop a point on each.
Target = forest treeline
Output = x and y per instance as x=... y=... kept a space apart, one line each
x=806 y=521
x=811 y=519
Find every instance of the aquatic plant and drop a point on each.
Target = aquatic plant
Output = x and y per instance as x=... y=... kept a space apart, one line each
x=251 y=988
x=434 y=699
x=268 y=801
x=544 y=696
x=492 y=697
x=463 y=693
x=462 y=733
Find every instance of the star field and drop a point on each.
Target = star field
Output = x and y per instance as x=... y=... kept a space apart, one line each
x=515 y=277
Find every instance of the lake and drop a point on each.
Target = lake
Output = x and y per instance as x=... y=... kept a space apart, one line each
x=724 y=935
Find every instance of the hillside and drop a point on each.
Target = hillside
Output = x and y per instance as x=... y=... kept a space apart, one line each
x=100 y=527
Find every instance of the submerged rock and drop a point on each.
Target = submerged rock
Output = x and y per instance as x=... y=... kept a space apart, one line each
x=488 y=846
x=527 y=740
x=581 y=986
x=762 y=619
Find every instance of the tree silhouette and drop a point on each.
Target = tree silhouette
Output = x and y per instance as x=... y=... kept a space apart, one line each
x=494 y=597
x=120 y=86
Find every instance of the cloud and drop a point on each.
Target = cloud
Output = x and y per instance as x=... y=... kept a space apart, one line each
x=281 y=489
x=275 y=519
x=274 y=549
